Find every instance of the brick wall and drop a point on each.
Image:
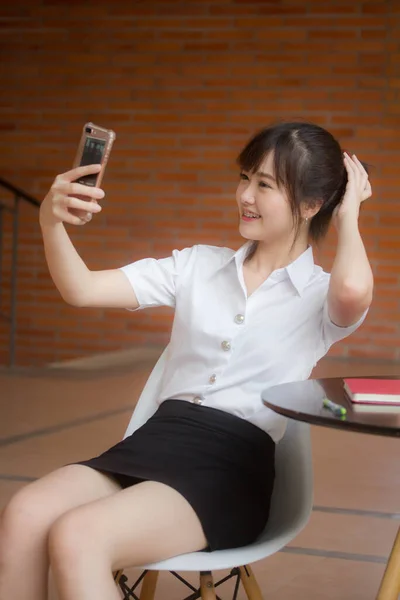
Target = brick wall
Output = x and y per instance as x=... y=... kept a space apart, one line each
x=184 y=85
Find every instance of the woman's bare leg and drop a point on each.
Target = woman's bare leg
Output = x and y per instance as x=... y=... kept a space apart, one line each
x=142 y=524
x=26 y=521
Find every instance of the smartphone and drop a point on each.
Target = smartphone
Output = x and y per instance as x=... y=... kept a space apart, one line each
x=94 y=148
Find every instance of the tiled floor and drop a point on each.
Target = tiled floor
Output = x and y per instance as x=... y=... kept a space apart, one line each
x=52 y=417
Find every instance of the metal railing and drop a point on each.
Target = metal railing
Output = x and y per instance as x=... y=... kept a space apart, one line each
x=19 y=195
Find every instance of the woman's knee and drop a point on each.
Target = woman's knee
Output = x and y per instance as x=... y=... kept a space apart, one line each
x=72 y=536
x=25 y=511
x=24 y=520
x=80 y=537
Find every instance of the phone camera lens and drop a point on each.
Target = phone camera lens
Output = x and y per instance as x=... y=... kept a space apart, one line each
x=88 y=130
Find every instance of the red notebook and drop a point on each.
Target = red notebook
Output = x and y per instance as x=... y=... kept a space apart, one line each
x=373 y=391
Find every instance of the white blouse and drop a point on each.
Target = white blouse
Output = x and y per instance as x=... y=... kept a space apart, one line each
x=225 y=347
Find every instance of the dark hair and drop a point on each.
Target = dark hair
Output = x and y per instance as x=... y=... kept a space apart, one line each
x=308 y=164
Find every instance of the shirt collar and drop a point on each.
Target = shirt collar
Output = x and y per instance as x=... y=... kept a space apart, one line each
x=299 y=271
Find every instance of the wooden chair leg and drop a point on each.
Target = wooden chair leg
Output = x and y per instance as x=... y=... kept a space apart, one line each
x=250 y=584
x=117 y=576
x=207 y=588
x=149 y=585
x=390 y=584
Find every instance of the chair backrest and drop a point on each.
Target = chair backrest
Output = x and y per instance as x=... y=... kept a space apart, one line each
x=293 y=490
x=147 y=405
x=292 y=498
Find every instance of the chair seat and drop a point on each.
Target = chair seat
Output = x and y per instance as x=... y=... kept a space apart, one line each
x=269 y=542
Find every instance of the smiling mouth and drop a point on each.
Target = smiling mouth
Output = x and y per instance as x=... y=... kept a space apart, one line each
x=248 y=216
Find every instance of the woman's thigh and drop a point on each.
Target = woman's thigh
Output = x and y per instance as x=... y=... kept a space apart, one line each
x=141 y=524
x=40 y=503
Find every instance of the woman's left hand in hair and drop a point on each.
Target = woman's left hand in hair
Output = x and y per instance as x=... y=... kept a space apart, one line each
x=357 y=190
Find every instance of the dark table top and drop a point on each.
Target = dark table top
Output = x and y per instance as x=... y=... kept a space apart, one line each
x=302 y=401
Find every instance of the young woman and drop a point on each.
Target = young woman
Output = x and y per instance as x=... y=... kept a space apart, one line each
x=199 y=474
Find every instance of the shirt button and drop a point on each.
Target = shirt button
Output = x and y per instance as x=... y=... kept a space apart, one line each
x=239 y=319
x=213 y=378
x=197 y=400
x=226 y=346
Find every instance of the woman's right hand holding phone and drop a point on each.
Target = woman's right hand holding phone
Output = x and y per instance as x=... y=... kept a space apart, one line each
x=64 y=203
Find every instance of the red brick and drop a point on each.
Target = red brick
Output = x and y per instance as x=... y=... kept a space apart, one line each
x=372 y=352
x=364 y=45
x=374 y=8
x=337 y=35
x=333 y=7
x=366 y=69
x=218 y=9
x=333 y=22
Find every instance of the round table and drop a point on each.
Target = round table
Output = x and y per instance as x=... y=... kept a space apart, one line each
x=302 y=401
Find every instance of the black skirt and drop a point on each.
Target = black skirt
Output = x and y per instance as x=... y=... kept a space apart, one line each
x=223 y=465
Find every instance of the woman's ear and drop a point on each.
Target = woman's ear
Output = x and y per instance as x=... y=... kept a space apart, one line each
x=310 y=209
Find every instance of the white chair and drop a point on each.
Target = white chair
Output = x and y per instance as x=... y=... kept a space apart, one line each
x=290 y=510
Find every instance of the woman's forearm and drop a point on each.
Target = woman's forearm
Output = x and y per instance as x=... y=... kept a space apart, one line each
x=351 y=284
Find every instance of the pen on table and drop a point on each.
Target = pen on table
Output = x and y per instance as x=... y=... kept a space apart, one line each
x=337 y=409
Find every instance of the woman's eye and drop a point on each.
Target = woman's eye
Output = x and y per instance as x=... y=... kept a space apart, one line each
x=262 y=184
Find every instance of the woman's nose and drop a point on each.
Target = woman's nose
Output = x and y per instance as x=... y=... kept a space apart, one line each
x=247 y=196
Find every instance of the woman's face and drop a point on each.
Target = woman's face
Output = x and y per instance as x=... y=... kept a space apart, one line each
x=264 y=209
